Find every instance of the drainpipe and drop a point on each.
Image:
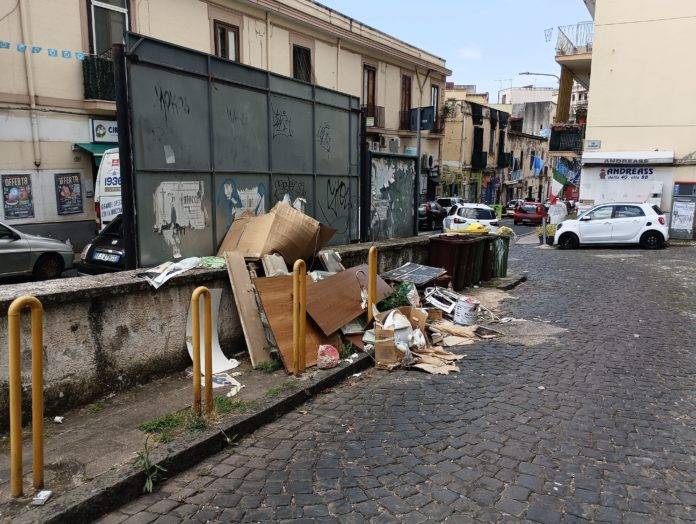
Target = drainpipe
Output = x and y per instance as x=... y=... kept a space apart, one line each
x=268 y=40
x=23 y=18
x=338 y=63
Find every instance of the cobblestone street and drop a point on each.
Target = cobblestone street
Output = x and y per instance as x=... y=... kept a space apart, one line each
x=598 y=422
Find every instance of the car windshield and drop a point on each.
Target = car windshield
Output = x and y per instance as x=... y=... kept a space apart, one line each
x=114 y=227
x=529 y=209
x=478 y=213
x=444 y=202
x=658 y=210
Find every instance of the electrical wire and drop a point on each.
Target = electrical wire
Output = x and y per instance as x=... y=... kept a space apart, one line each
x=9 y=12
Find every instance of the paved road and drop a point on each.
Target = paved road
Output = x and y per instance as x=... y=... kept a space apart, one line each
x=598 y=422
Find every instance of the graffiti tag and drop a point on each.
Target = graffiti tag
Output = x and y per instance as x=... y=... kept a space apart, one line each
x=324 y=136
x=337 y=196
x=281 y=123
x=291 y=186
x=171 y=104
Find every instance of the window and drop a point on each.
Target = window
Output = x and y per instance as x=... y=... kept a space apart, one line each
x=531 y=160
x=406 y=93
x=504 y=99
x=435 y=97
x=658 y=210
x=368 y=92
x=226 y=41
x=628 y=212
x=109 y=21
x=302 y=63
x=476 y=213
x=601 y=213
x=5 y=232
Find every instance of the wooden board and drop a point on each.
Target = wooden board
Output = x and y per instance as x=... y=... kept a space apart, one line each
x=244 y=298
x=276 y=296
x=335 y=301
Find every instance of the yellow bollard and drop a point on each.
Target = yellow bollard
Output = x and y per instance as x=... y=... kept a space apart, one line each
x=372 y=280
x=299 y=316
x=15 y=375
x=196 y=342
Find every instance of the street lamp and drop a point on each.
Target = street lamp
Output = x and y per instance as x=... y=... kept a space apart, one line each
x=527 y=73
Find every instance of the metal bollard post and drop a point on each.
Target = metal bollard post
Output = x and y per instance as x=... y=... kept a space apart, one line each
x=196 y=341
x=543 y=226
x=371 y=280
x=299 y=316
x=15 y=376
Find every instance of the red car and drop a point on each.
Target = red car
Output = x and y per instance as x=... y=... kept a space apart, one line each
x=530 y=212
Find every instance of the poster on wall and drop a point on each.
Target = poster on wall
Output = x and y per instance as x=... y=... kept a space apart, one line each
x=683 y=216
x=69 y=193
x=17 y=199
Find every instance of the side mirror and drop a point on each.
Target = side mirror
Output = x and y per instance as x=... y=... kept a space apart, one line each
x=585 y=219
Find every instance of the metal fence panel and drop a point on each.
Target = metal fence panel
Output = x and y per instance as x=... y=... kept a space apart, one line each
x=211 y=138
x=393 y=192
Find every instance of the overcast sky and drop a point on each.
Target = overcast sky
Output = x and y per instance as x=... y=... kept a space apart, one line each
x=483 y=41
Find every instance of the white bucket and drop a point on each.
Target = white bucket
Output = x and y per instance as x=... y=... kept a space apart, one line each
x=465 y=312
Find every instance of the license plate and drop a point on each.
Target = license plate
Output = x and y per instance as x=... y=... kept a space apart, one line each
x=106 y=257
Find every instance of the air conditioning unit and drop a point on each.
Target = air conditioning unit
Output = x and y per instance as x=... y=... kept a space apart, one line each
x=374 y=147
x=394 y=145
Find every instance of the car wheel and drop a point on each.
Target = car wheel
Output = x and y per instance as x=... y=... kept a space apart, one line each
x=48 y=266
x=652 y=240
x=568 y=241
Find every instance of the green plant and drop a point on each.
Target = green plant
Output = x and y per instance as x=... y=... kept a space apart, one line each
x=346 y=350
x=162 y=424
x=195 y=423
x=396 y=299
x=225 y=405
x=269 y=366
x=95 y=407
x=284 y=387
x=152 y=471
x=550 y=230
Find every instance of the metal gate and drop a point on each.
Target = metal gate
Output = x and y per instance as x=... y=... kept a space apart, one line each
x=206 y=139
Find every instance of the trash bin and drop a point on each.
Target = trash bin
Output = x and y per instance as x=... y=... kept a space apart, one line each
x=460 y=255
x=488 y=259
x=502 y=250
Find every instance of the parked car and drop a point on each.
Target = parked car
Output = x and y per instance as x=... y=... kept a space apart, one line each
x=23 y=254
x=529 y=213
x=511 y=206
x=616 y=223
x=461 y=215
x=106 y=253
x=430 y=216
x=448 y=202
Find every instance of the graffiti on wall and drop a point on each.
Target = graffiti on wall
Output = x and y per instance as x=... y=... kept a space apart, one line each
x=334 y=205
x=178 y=207
x=237 y=199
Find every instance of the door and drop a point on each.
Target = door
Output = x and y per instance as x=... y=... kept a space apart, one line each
x=14 y=253
x=595 y=226
x=627 y=223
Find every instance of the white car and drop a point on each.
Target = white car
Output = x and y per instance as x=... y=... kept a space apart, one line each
x=449 y=202
x=460 y=216
x=615 y=223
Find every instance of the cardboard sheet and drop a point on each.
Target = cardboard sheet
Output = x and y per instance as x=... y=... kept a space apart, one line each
x=276 y=296
x=335 y=301
x=283 y=230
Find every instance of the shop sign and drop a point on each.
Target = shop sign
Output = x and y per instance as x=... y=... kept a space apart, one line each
x=626 y=173
x=104 y=130
x=17 y=199
x=69 y=193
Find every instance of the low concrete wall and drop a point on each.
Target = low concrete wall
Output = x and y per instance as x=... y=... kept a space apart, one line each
x=109 y=332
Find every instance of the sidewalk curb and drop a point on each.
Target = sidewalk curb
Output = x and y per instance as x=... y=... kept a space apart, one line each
x=114 y=489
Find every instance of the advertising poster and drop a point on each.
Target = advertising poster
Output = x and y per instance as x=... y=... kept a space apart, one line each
x=17 y=199
x=69 y=193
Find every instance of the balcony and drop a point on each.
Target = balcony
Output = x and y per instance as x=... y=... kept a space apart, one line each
x=574 y=50
x=374 y=116
x=567 y=138
x=404 y=120
x=98 y=78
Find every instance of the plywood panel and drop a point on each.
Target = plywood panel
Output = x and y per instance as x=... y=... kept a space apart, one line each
x=243 y=290
x=335 y=301
x=276 y=297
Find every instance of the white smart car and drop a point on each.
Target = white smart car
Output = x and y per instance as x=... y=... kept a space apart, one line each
x=615 y=223
x=460 y=216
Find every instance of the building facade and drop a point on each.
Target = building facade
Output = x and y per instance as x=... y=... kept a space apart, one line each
x=475 y=156
x=57 y=102
x=528 y=176
x=635 y=146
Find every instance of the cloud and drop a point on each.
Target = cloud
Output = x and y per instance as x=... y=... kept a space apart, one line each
x=469 y=52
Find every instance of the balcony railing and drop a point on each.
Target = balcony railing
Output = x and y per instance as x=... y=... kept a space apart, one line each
x=374 y=116
x=575 y=39
x=567 y=138
x=98 y=78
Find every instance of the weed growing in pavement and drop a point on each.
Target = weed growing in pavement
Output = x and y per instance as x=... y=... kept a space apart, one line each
x=152 y=471
x=95 y=407
x=195 y=423
x=165 y=423
x=225 y=405
x=269 y=366
x=284 y=387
